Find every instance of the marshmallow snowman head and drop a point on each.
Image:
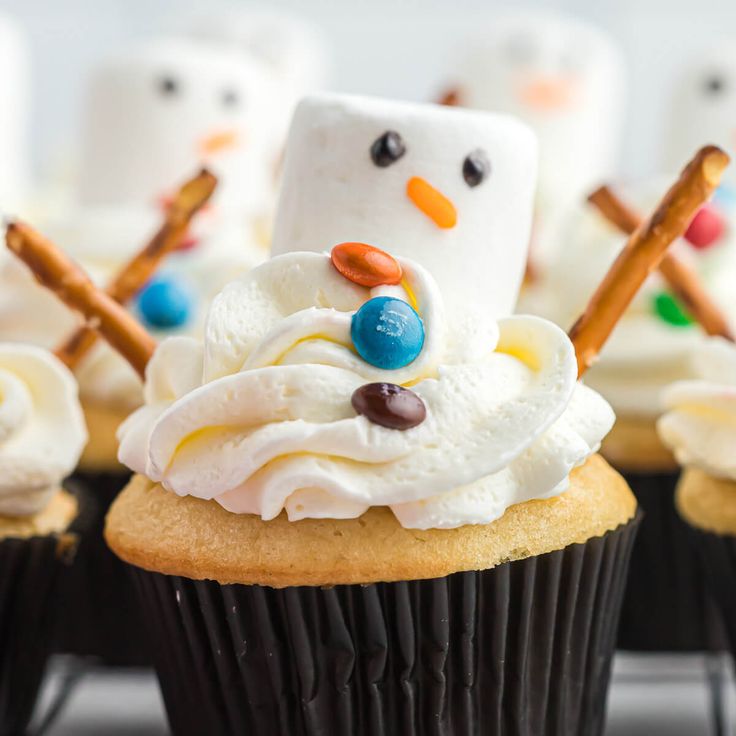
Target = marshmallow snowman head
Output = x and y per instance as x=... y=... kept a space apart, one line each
x=452 y=189
x=157 y=112
x=565 y=79
x=703 y=108
x=14 y=83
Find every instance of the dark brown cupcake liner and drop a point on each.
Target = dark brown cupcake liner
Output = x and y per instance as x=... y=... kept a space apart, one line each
x=522 y=649
x=30 y=569
x=665 y=607
x=100 y=618
x=717 y=557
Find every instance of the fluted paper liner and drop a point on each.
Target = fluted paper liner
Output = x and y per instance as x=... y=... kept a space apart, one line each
x=717 y=556
x=524 y=648
x=664 y=605
x=29 y=575
x=100 y=617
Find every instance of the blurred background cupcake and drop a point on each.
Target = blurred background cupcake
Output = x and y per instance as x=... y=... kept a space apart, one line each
x=42 y=434
x=153 y=114
x=652 y=346
x=698 y=425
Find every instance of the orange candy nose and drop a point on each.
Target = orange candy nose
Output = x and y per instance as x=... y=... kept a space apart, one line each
x=365 y=265
x=219 y=141
x=432 y=202
x=548 y=93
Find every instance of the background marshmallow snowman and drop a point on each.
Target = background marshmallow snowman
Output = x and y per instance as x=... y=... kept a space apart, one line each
x=563 y=77
x=14 y=118
x=451 y=189
x=703 y=108
x=156 y=112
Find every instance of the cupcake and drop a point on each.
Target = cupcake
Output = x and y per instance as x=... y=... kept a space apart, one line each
x=42 y=434
x=368 y=497
x=188 y=100
x=566 y=79
x=652 y=346
x=698 y=426
x=368 y=501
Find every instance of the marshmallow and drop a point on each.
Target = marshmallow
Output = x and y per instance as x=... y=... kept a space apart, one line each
x=155 y=113
x=451 y=189
x=14 y=82
x=563 y=77
x=703 y=108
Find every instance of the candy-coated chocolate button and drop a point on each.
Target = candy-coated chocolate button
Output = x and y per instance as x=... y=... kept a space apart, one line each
x=706 y=228
x=387 y=333
x=389 y=405
x=669 y=309
x=166 y=303
x=365 y=265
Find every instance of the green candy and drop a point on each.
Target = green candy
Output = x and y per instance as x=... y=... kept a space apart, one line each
x=668 y=308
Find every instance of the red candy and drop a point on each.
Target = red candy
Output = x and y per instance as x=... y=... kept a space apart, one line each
x=706 y=228
x=365 y=265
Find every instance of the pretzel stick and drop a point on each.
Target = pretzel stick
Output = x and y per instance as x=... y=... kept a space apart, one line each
x=70 y=283
x=644 y=251
x=683 y=280
x=130 y=279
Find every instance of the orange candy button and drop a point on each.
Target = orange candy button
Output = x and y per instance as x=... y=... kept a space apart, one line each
x=365 y=265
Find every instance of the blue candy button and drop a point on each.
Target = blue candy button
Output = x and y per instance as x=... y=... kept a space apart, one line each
x=166 y=303
x=387 y=333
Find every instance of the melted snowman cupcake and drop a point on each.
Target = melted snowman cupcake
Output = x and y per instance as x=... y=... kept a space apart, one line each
x=362 y=438
x=153 y=115
x=564 y=78
x=42 y=434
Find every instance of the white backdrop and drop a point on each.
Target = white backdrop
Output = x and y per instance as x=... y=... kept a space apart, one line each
x=396 y=48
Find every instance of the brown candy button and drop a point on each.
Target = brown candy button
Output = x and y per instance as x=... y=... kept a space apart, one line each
x=389 y=405
x=365 y=265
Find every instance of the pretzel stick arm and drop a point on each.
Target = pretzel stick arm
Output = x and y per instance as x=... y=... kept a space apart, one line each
x=57 y=272
x=643 y=253
x=130 y=279
x=683 y=280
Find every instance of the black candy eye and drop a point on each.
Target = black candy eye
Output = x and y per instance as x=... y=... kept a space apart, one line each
x=168 y=86
x=476 y=167
x=387 y=149
x=714 y=84
x=230 y=98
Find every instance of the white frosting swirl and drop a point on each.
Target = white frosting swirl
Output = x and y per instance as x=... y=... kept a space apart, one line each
x=699 y=423
x=259 y=417
x=42 y=430
x=645 y=353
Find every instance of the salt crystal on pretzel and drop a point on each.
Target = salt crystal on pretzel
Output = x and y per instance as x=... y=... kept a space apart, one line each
x=644 y=251
x=190 y=198
x=683 y=280
x=54 y=270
